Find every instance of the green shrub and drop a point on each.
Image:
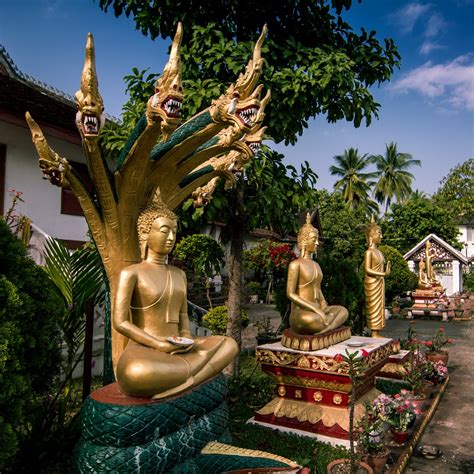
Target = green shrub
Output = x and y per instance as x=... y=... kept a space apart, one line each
x=468 y=280
x=30 y=356
x=216 y=319
x=401 y=279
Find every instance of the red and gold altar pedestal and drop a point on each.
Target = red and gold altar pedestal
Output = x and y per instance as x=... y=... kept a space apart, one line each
x=313 y=389
x=395 y=368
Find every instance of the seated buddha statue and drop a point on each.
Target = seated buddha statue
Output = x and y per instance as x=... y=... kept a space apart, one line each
x=423 y=282
x=310 y=313
x=161 y=357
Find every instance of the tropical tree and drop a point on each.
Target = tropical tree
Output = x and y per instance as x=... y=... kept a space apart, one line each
x=457 y=192
x=203 y=254
x=317 y=62
x=408 y=223
x=79 y=278
x=268 y=194
x=394 y=178
x=354 y=184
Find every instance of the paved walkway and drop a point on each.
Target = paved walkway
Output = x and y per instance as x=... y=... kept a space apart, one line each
x=452 y=427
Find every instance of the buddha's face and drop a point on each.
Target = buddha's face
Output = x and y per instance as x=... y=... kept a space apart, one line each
x=162 y=236
x=312 y=242
x=376 y=235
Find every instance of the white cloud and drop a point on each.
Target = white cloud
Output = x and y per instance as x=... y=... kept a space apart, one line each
x=407 y=16
x=435 y=25
x=429 y=46
x=451 y=83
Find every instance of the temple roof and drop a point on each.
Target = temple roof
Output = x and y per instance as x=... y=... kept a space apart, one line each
x=20 y=92
x=443 y=251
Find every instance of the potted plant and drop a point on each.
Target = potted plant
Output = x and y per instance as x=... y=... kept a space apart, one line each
x=403 y=411
x=434 y=348
x=371 y=439
x=437 y=372
x=418 y=372
x=355 y=363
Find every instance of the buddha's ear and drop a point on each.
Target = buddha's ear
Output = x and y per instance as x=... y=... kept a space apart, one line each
x=144 y=250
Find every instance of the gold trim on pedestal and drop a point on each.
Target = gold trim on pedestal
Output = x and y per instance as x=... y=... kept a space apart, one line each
x=308 y=411
x=318 y=396
x=296 y=381
x=315 y=342
x=316 y=363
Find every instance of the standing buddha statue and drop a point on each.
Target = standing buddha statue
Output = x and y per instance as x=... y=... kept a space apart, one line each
x=374 y=282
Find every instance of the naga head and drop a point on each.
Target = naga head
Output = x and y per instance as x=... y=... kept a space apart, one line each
x=166 y=102
x=90 y=115
x=241 y=102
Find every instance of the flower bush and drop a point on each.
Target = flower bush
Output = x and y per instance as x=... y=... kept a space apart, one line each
x=371 y=429
x=437 y=371
x=439 y=340
x=402 y=410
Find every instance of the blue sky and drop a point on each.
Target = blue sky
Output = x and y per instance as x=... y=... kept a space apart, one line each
x=427 y=108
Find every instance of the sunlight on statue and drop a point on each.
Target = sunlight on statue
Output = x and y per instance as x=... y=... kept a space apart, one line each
x=161 y=357
x=310 y=313
x=374 y=283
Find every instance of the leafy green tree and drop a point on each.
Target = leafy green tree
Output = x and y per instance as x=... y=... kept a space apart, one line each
x=394 y=178
x=354 y=185
x=30 y=354
x=268 y=195
x=316 y=63
x=401 y=279
x=341 y=250
x=408 y=223
x=457 y=192
x=203 y=254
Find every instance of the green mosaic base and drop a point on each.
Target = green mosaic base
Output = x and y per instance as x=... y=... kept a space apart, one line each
x=164 y=437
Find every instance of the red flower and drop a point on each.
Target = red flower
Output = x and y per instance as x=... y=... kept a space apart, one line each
x=338 y=358
x=441 y=329
x=364 y=353
x=428 y=343
x=450 y=341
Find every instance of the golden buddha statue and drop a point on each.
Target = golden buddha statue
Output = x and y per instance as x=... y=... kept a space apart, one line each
x=374 y=283
x=161 y=357
x=423 y=282
x=430 y=272
x=310 y=313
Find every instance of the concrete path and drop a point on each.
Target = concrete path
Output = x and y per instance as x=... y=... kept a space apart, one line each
x=452 y=427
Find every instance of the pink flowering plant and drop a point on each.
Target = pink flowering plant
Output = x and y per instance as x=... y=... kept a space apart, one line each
x=370 y=434
x=437 y=371
x=403 y=410
x=440 y=339
x=417 y=370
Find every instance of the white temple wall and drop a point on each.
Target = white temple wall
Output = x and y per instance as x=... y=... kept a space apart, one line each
x=42 y=200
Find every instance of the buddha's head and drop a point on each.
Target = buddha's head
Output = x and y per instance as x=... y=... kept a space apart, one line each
x=373 y=232
x=308 y=237
x=422 y=265
x=156 y=227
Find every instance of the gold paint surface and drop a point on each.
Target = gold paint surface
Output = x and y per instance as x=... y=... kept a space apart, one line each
x=310 y=313
x=374 y=282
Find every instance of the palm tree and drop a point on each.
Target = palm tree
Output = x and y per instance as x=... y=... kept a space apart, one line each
x=394 y=179
x=78 y=277
x=354 y=185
